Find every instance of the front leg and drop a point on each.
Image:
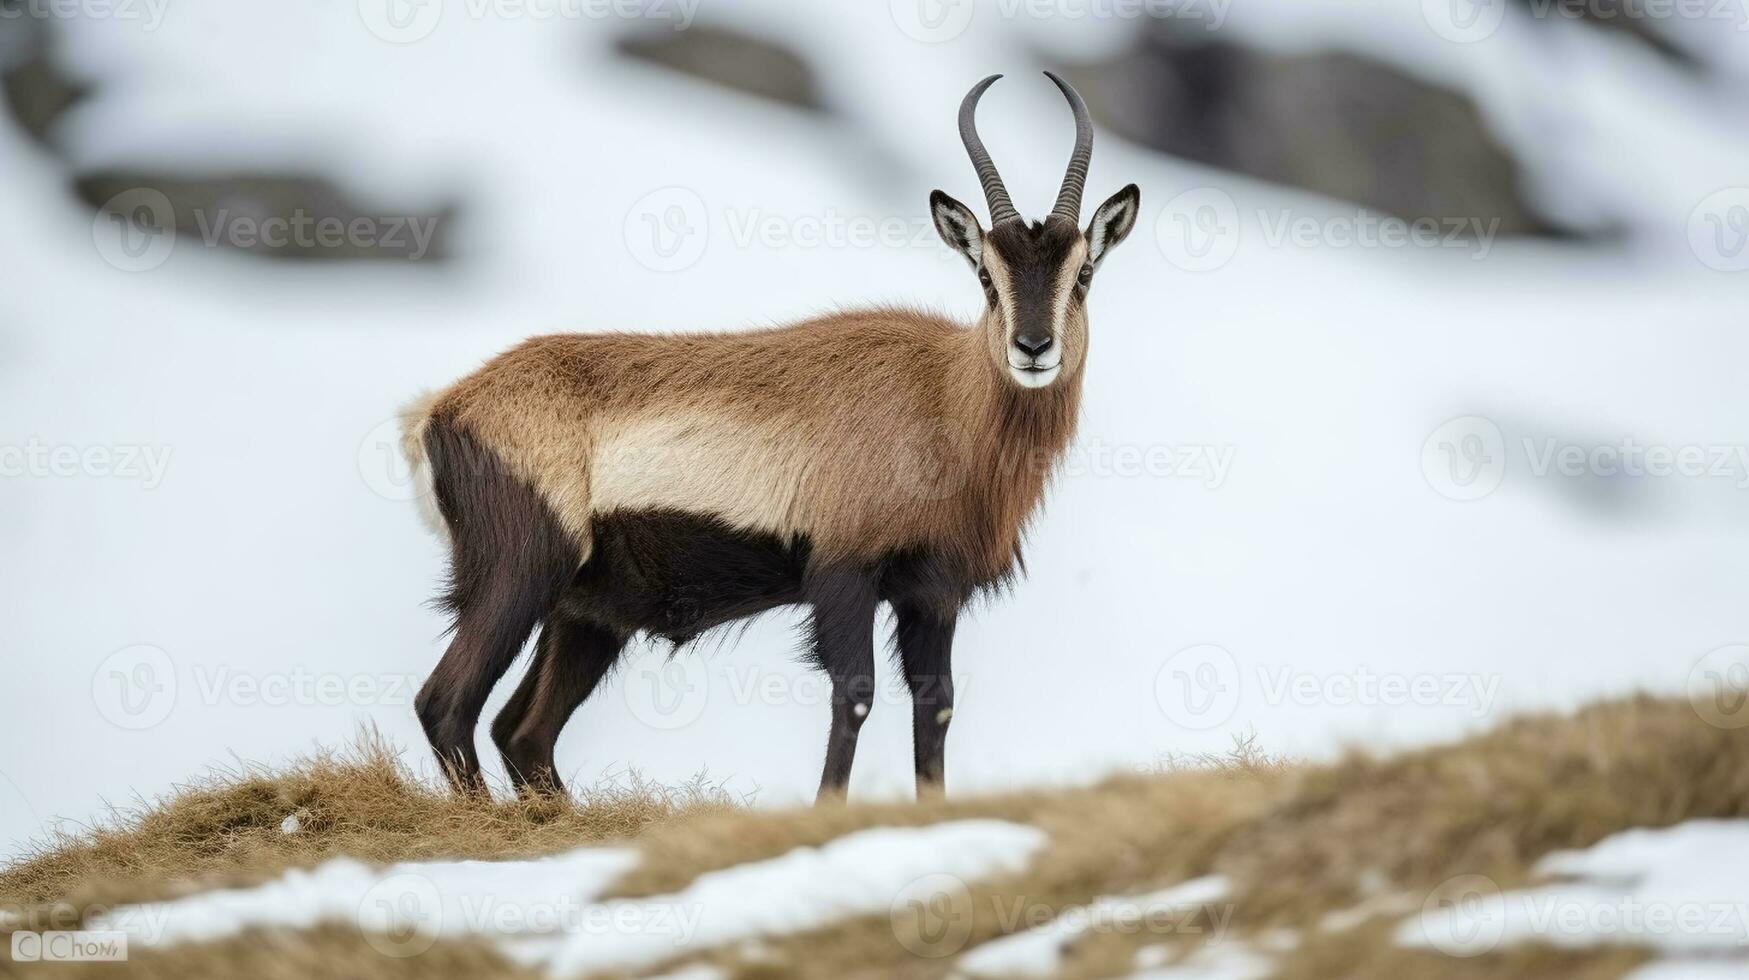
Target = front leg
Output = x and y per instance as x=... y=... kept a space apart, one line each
x=844 y=603
x=925 y=637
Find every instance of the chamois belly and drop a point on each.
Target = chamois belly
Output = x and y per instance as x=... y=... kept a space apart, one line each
x=675 y=575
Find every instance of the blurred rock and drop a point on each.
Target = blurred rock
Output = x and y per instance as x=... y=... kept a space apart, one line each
x=36 y=92
x=1335 y=123
x=752 y=65
x=285 y=217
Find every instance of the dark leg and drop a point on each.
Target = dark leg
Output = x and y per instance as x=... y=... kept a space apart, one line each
x=509 y=560
x=844 y=607
x=570 y=659
x=925 y=640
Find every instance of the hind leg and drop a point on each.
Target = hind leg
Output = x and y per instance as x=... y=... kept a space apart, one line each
x=509 y=561
x=488 y=637
x=571 y=657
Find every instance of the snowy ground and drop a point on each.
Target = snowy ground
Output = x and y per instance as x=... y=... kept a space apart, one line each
x=548 y=912
x=262 y=591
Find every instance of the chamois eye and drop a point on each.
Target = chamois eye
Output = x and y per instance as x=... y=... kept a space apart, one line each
x=984 y=278
x=1085 y=276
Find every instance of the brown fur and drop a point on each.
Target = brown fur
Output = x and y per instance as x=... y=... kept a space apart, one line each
x=868 y=432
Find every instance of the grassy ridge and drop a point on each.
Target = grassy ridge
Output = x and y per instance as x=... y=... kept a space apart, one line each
x=1295 y=843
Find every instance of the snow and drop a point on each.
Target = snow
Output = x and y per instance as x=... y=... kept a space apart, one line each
x=1230 y=960
x=546 y=912
x=1038 y=952
x=433 y=897
x=858 y=874
x=278 y=555
x=1682 y=891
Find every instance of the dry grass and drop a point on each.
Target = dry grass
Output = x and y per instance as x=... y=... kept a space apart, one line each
x=224 y=830
x=1296 y=842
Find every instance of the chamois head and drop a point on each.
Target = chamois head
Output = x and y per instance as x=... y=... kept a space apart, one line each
x=1035 y=277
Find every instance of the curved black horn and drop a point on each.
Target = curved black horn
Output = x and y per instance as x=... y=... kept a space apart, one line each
x=1069 y=198
x=1001 y=208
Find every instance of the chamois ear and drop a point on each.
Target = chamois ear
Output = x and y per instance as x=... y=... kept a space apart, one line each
x=1113 y=222
x=958 y=226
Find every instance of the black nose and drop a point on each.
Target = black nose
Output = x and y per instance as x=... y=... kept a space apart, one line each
x=1033 y=344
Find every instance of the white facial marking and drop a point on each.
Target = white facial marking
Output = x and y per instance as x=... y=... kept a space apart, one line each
x=1035 y=378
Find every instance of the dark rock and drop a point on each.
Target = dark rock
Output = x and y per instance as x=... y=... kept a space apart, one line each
x=1335 y=123
x=36 y=91
x=755 y=66
x=286 y=217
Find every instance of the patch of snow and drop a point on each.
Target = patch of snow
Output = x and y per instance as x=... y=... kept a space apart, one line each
x=1682 y=891
x=291 y=824
x=544 y=913
x=436 y=897
x=858 y=874
x=1216 y=961
x=1038 y=952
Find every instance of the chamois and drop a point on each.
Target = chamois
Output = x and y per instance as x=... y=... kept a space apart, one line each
x=605 y=485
